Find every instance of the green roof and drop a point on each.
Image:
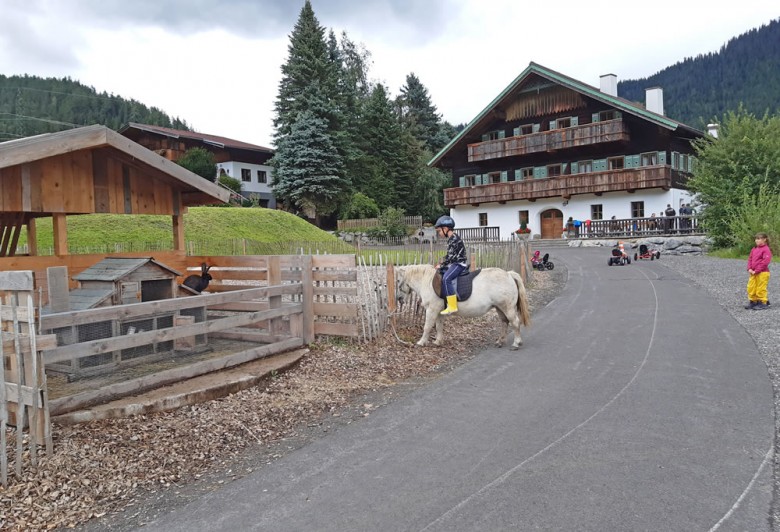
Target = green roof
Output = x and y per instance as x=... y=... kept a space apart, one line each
x=566 y=81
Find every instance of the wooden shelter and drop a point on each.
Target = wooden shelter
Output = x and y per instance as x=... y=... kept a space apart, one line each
x=90 y=170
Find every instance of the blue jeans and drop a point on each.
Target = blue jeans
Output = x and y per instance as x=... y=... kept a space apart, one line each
x=449 y=281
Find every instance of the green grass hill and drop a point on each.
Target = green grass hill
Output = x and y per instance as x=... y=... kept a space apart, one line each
x=206 y=229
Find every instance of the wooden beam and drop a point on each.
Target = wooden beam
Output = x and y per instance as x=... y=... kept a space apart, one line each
x=32 y=237
x=60 y=224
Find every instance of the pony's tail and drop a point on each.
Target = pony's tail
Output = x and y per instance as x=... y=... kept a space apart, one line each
x=523 y=307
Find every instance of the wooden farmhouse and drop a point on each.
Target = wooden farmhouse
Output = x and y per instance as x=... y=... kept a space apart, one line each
x=84 y=171
x=550 y=147
x=239 y=160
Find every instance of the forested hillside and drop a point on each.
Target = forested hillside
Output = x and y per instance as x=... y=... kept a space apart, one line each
x=699 y=90
x=30 y=105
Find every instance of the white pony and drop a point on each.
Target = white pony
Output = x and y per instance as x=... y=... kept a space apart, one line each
x=493 y=288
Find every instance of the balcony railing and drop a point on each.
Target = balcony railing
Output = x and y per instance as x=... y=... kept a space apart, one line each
x=567 y=185
x=637 y=227
x=557 y=139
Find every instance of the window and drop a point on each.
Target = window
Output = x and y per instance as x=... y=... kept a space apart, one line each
x=526 y=129
x=562 y=123
x=637 y=209
x=615 y=163
x=493 y=135
x=246 y=175
x=483 y=219
x=607 y=115
x=553 y=170
x=262 y=176
x=585 y=167
x=494 y=177
x=597 y=212
x=527 y=173
x=522 y=217
x=469 y=180
x=650 y=159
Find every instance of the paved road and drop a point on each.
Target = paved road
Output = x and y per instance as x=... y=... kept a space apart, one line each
x=636 y=403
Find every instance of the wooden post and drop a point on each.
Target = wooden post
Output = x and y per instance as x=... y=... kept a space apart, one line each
x=391 y=308
x=523 y=259
x=60 y=225
x=307 y=299
x=274 y=279
x=178 y=232
x=473 y=262
x=32 y=238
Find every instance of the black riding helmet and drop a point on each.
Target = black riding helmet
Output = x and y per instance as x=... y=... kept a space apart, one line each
x=445 y=221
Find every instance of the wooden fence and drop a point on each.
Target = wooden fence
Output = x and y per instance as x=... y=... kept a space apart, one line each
x=363 y=223
x=23 y=397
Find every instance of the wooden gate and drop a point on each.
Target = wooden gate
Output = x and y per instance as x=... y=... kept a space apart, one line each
x=552 y=223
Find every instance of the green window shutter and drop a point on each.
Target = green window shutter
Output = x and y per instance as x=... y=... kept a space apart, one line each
x=599 y=165
x=518 y=174
x=504 y=176
x=536 y=128
x=564 y=167
x=484 y=137
x=636 y=161
x=502 y=134
x=661 y=157
x=594 y=117
x=618 y=114
x=537 y=173
x=462 y=180
x=575 y=121
x=675 y=160
x=516 y=132
x=552 y=124
x=542 y=171
x=575 y=168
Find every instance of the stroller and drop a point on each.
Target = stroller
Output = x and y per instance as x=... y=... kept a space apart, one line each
x=619 y=257
x=646 y=253
x=541 y=264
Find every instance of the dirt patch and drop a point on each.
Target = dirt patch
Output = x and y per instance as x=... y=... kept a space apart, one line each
x=119 y=474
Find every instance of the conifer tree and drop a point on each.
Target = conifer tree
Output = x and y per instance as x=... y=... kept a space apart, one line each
x=418 y=114
x=308 y=173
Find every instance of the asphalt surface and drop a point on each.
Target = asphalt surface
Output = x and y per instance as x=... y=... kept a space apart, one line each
x=636 y=403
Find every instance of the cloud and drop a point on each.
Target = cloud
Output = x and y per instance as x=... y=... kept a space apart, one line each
x=265 y=19
x=30 y=36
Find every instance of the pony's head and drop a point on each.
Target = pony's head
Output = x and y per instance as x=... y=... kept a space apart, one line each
x=403 y=290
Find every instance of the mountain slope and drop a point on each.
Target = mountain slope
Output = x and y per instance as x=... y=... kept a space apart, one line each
x=699 y=90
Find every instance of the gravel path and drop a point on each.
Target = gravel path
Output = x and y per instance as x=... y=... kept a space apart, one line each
x=725 y=280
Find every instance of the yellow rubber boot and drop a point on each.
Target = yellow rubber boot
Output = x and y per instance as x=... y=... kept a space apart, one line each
x=452 y=306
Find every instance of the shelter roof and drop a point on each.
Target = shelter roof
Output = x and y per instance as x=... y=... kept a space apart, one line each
x=114 y=268
x=195 y=190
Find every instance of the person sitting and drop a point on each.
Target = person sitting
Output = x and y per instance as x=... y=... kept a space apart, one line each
x=453 y=263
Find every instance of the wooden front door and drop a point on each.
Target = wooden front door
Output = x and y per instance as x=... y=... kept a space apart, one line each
x=552 y=223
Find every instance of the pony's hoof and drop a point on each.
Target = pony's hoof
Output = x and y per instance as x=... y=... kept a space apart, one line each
x=421 y=344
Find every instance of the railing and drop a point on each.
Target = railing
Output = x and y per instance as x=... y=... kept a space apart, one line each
x=663 y=177
x=479 y=234
x=557 y=139
x=637 y=227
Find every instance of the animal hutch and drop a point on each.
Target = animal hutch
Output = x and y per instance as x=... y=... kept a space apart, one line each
x=124 y=281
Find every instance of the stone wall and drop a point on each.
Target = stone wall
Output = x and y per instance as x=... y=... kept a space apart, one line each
x=669 y=245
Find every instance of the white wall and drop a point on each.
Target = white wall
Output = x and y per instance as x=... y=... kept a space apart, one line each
x=233 y=169
x=507 y=217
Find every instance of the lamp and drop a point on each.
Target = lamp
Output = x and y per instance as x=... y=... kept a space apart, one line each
x=565 y=202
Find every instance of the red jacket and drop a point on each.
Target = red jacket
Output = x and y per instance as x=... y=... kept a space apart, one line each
x=760 y=257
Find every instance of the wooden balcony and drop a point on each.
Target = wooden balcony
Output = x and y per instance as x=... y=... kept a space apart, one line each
x=545 y=141
x=566 y=186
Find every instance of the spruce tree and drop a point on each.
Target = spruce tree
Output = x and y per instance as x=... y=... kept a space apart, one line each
x=419 y=114
x=308 y=173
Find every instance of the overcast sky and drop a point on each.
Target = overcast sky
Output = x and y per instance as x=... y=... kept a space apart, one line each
x=216 y=64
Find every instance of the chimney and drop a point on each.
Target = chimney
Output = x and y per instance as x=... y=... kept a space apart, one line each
x=609 y=84
x=654 y=100
x=712 y=129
